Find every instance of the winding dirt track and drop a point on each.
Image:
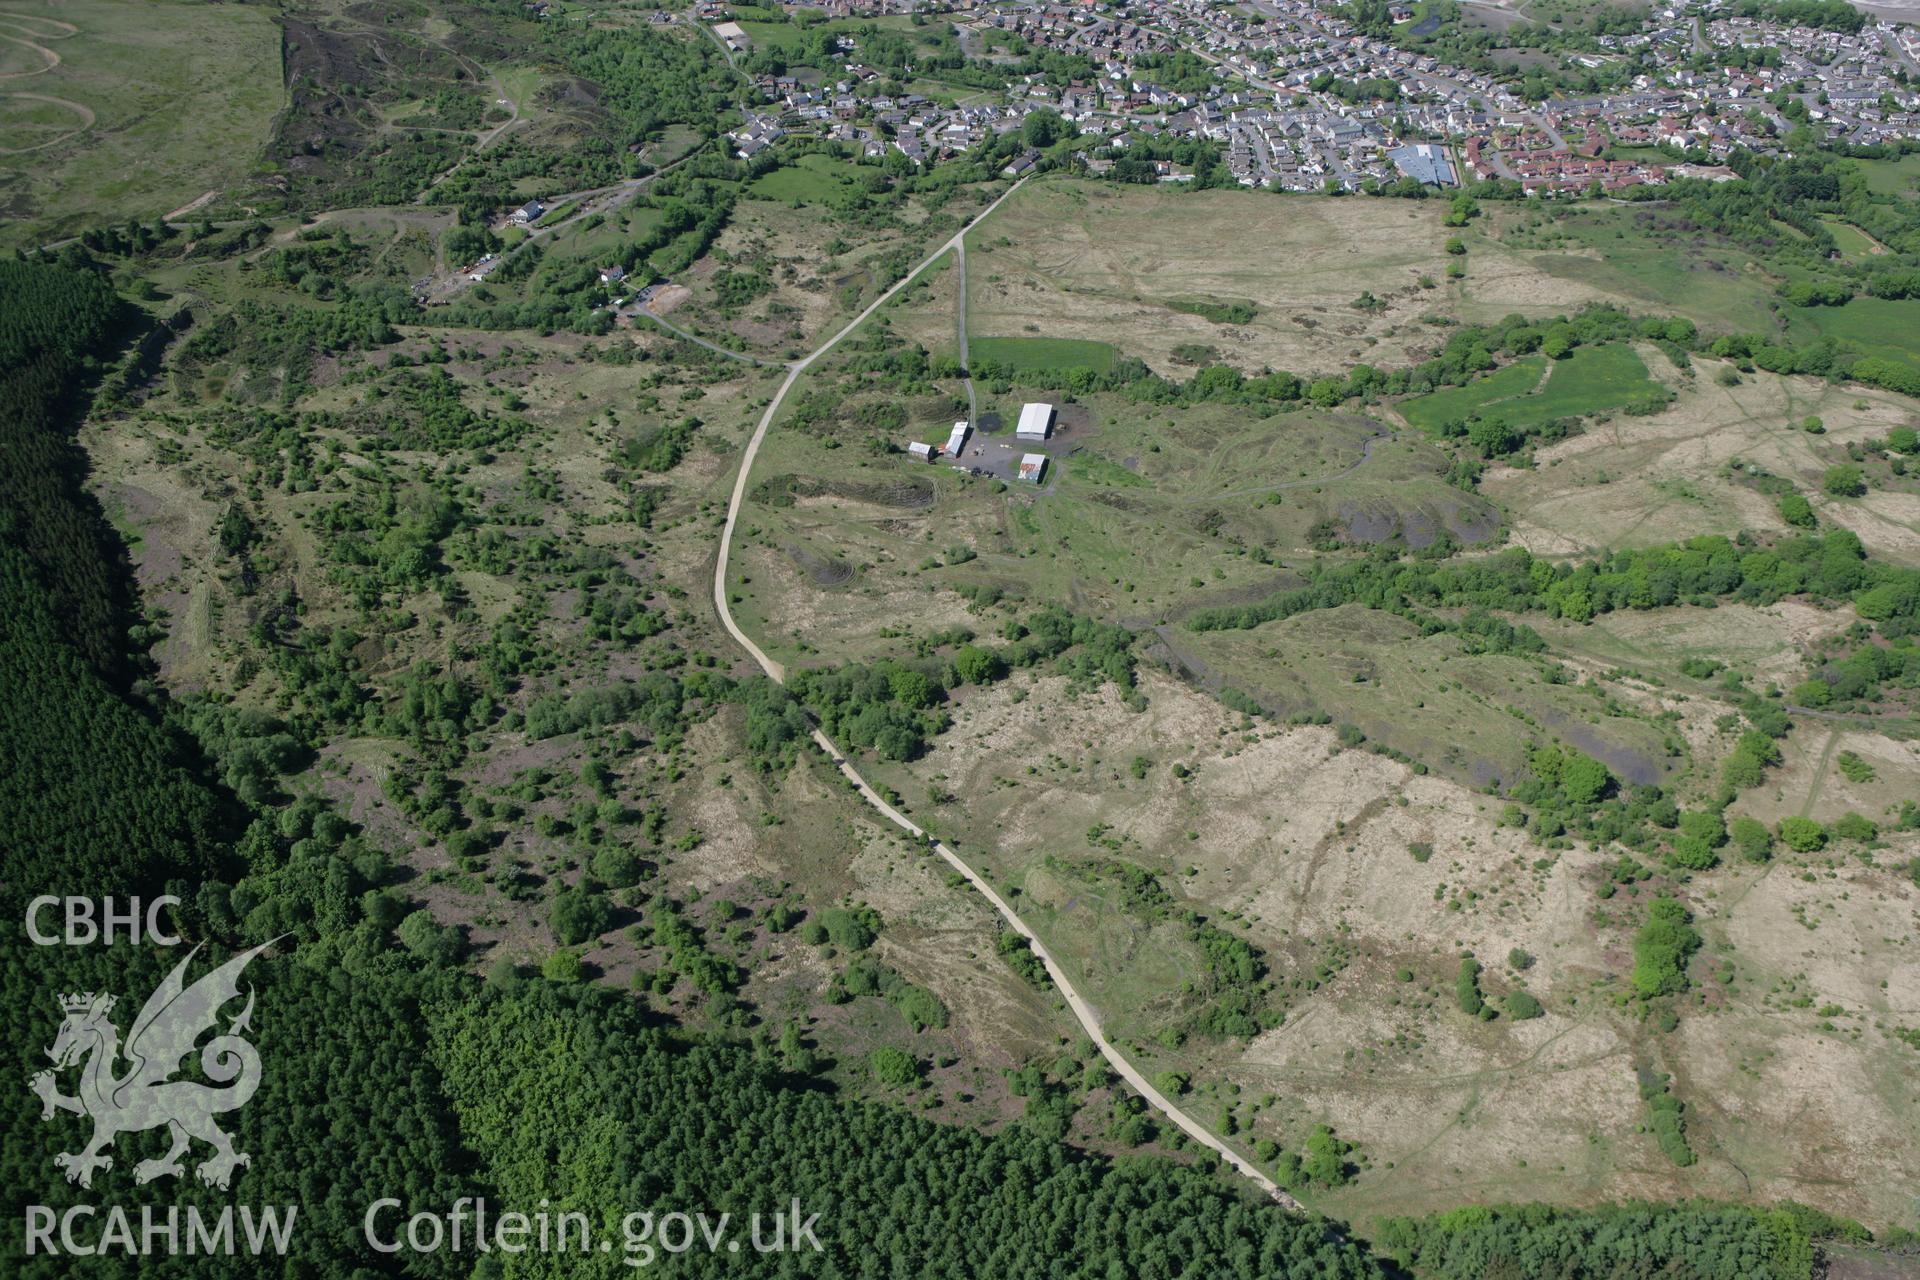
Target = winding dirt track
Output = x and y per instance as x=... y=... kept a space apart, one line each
x=80 y=109
x=26 y=31
x=1089 y=1020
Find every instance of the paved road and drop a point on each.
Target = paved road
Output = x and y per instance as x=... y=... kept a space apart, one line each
x=1082 y=1011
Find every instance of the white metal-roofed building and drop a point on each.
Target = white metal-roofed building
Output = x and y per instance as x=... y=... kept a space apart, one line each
x=956 y=439
x=1032 y=467
x=1036 y=421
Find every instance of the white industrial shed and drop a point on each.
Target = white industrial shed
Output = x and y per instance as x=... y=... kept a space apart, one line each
x=1036 y=420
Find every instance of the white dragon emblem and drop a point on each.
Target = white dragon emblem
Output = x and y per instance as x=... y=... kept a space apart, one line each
x=145 y=1096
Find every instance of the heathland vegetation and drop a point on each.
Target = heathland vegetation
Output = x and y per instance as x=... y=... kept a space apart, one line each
x=1447 y=707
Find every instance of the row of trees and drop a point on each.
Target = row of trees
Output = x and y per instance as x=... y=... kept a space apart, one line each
x=1541 y=1242
x=1828 y=568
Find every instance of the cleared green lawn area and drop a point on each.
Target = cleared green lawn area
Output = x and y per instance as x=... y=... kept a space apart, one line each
x=1430 y=412
x=784 y=36
x=1591 y=380
x=1023 y=354
x=815 y=179
x=1852 y=241
x=1892 y=177
x=1878 y=326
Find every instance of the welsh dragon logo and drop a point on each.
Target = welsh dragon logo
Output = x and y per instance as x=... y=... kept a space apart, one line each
x=144 y=1094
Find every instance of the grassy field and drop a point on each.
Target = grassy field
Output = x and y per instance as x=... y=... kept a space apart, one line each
x=1094 y=261
x=130 y=108
x=1029 y=354
x=819 y=267
x=1763 y=645
x=1467 y=716
x=1527 y=392
x=1646 y=155
x=788 y=36
x=813 y=179
x=1879 y=326
x=1892 y=177
x=1452 y=404
x=1853 y=242
x=1645 y=259
x=1071 y=259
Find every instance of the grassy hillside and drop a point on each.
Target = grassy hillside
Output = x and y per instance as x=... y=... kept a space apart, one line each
x=120 y=110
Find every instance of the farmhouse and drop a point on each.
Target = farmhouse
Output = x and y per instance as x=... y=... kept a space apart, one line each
x=1036 y=422
x=1032 y=467
x=531 y=211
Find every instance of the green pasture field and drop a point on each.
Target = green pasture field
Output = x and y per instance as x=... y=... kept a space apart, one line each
x=951 y=93
x=1892 y=177
x=1853 y=242
x=1101 y=261
x=1646 y=155
x=144 y=107
x=813 y=179
x=1878 y=326
x=1656 y=642
x=1590 y=380
x=1433 y=411
x=1035 y=354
